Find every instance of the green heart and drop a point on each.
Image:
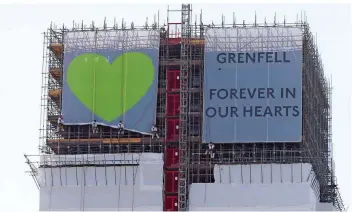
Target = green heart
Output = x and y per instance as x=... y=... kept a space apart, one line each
x=109 y=90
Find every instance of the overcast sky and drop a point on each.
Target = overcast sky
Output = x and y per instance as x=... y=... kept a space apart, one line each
x=21 y=44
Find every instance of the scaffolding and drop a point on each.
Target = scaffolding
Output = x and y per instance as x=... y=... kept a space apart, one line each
x=184 y=106
x=78 y=139
x=180 y=108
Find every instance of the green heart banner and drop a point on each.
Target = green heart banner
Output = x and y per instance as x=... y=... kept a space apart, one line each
x=109 y=90
x=111 y=84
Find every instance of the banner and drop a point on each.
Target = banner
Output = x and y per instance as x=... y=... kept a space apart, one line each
x=111 y=76
x=253 y=85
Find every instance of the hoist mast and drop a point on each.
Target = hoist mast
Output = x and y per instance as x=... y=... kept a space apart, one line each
x=184 y=109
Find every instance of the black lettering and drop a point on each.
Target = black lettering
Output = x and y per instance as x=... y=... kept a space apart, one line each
x=268 y=112
x=276 y=58
x=232 y=57
x=242 y=93
x=221 y=58
x=233 y=93
x=240 y=59
x=212 y=93
x=269 y=56
x=278 y=111
x=210 y=112
x=296 y=111
x=258 y=111
x=256 y=57
x=286 y=60
x=291 y=93
x=249 y=110
x=225 y=92
x=251 y=95
x=234 y=112
x=248 y=55
x=260 y=56
x=270 y=93
x=261 y=94
x=226 y=112
x=287 y=109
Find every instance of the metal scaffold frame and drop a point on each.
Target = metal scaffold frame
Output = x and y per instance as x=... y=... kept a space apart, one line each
x=187 y=57
x=51 y=99
x=184 y=106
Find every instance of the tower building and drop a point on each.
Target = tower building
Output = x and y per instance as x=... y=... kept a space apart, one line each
x=256 y=92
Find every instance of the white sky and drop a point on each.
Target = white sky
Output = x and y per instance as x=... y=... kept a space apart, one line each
x=21 y=46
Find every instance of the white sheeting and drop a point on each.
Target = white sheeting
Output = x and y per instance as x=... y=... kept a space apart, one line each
x=103 y=188
x=297 y=196
x=100 y=198
x=257 y=187
x=263 y=173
